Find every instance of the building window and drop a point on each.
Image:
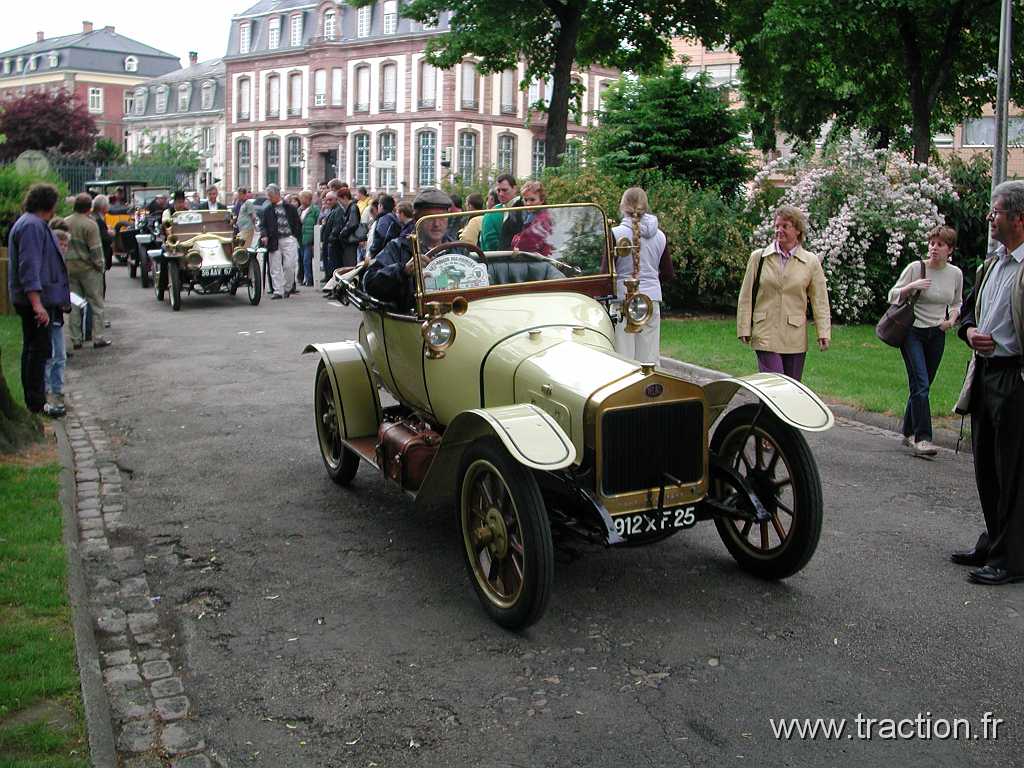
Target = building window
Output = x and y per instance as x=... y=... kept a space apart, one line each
x=361 y=160
x=469 y=86
x=140 y=101
x=243 y=163
x=184 y=96
x=363 y=17
x=389 y=87
x=330 y=25
x=337 y=78
x=161 y=99
x=362 y=89
x=602 y=90
x=244 y=98
x=295 y=94
x=7 y=66
x=207 y=138
x=53 y=59
x=320 y=88
x=131 y=64
x=537 y=165
x=296 y=32
x=387 y=157
x=390 y=17
x=294 y=162
x=576 y=105
x=981 y=132
x=943 y=139
x=244 y=37
x=33 y=63
x=508 y=92
x=506 y=153
x=272 y=154
x=19 y=64
x=273 y=96
x=426 y=159
x=207 y=95
x=428 y=85
x=274 y=33
x=467 y=156
x=129 y=102
x=96 y=100
x=571 y=158
x=540 y=91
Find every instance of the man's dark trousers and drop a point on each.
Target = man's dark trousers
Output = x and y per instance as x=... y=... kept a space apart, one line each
x=35 y=349
x=997 y=418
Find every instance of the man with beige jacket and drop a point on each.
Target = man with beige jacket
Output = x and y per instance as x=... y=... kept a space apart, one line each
x=85 y=269
x=780 y=281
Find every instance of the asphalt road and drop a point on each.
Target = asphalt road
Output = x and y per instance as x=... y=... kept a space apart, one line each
x=319 y=626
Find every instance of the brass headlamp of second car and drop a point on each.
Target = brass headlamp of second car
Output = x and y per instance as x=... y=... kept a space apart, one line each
x=438 y=331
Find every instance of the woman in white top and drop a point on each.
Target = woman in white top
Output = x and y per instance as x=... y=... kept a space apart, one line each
x=655 y=264
x=935 y=312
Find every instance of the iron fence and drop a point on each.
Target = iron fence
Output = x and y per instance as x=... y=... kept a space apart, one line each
x=77 y=175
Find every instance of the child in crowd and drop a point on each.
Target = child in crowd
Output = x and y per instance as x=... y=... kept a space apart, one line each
x=55 y=364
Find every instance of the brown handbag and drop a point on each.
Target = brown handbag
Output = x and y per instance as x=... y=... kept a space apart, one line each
x=405 y=450
x=895 y=324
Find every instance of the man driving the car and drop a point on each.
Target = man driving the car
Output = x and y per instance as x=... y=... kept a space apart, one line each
x=391 y=276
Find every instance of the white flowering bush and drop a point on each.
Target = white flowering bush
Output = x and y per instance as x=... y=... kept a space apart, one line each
x=868 y=212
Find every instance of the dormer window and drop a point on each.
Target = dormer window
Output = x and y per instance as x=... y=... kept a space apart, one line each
x=209 y=89
x=184 y=96
x=7 y=66
x=140 y=101
x=363 y=18
x=330 y=25
x=19 y=64
x=244 y=37
x=161 y=99
x=296 y=31
x=390 y=17
x=33 y=62
x=131 y=64
x=52 y=59
x=274 y=34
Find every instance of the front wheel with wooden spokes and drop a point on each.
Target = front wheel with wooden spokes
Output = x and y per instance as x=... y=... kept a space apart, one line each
x=340 y=461
x=506 y=535
x=776 y=463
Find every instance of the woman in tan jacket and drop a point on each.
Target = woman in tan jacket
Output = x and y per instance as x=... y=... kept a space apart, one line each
x=772 y=316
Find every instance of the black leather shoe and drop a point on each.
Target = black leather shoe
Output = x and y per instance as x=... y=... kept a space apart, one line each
x=970 y=556
x=994 y=576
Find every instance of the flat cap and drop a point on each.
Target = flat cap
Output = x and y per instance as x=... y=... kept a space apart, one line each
x=432 y=198
x=179 y=194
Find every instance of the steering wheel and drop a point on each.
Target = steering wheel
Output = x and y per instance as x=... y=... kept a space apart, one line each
x=477 y=254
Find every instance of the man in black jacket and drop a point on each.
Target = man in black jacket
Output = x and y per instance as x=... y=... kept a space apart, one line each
x=210 y=203
x=344 y=223
x=280 y=227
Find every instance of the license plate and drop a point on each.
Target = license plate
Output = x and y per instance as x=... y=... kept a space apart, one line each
x=216 y=271
x=642 y=523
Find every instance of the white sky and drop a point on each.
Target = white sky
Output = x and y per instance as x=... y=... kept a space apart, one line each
x=174 y=26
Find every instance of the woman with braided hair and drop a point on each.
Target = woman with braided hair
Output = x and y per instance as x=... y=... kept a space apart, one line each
x=654 y=265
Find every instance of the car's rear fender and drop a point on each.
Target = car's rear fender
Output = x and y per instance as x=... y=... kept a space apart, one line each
x=787 y=398
x=356 y=400
x=531 y=436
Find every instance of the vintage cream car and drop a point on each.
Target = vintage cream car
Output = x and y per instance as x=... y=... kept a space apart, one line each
x=202 y=254
x=512 y=406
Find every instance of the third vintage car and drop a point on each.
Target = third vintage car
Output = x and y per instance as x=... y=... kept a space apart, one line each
x=513 y=409
x=201 y=254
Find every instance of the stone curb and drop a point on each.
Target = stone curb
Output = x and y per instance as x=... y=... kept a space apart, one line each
x=947 y=438
x=98 y=723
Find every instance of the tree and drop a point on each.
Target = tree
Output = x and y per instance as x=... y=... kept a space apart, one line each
x=672 y=125
x=45 y=121
x=550 y=35
x=880 y=65
x=106 y=152
x=177 y=152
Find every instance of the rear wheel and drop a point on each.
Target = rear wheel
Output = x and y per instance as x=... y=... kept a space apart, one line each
x=174 y=278
x=777 y=464
x=255 y=281
x=506 y=535
x=341 y=462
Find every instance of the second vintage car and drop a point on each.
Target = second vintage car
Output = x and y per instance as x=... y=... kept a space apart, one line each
x=514 y=409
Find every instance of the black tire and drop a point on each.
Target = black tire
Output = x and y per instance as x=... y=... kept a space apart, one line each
x=341 y=462
x=506 y=534
x=160 y=283
x=174 y=279
x=146 y=272
x=777 y=462
x=133 y=267
x=255 y=281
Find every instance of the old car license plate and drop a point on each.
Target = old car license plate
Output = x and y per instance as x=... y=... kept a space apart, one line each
x=216 y=271
x=653 y=521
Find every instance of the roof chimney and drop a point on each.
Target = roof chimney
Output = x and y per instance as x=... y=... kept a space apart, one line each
x=86 y=26
x=40 y=37
x=108 y=28
x=193 y=58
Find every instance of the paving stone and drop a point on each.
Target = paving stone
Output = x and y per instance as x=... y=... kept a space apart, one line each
x=90 y=523
x=151 y=670
x=144 y=761
x=154 y=654
x=87 y=475
x=149 y=638
x=110 y=489
x=111 y=621
x=135 y=603
x=109 y=473
x=102 y=584
x=92 y=534
x=171 y=709
x=88 y=485
x=137 y=736
x=115 y=523
x=179 y=738
x=193 y=761
x=114 y=498
x=110 y=508
x=87 y=494
x=135 y=585
x=88 y=504
x=89 y=514
x=129 y=702
x=126 y=674
x=122 y=553
x=117 y=658
x=129 y=567
x=112 y=642
x=142 y=622
x=169 y=686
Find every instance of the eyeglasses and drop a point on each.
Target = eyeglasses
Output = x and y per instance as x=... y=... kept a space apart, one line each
x=996 y=211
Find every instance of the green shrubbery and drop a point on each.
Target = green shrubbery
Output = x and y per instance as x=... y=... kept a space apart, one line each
x=13 y=186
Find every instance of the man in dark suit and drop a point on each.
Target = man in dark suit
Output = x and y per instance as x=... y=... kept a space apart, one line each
x=280 y=227
x=210 y=203
x=993 y=394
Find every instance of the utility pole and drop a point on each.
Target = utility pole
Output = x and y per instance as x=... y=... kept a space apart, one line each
x=1002 y=101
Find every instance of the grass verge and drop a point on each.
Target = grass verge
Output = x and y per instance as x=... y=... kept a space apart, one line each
x=10 y=342
x=41 y=719
x=858 y=369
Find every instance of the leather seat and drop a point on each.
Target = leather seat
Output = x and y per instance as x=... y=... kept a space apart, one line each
x=521 y=271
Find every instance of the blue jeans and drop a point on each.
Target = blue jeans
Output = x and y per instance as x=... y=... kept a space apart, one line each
x=306 y=264
x=54 y=376
x=922 y=352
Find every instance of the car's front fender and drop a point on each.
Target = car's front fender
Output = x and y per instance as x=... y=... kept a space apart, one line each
x=357 y=402
x=531 y=436
x=787 y=398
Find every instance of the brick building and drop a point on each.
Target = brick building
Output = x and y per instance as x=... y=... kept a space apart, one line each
x=97 y=65
x=322 y=89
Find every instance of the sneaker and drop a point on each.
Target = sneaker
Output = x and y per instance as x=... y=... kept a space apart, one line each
x=924 y=448
x=275 y=296
x=908 y=441
x=54 y=411
x=101 y=342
